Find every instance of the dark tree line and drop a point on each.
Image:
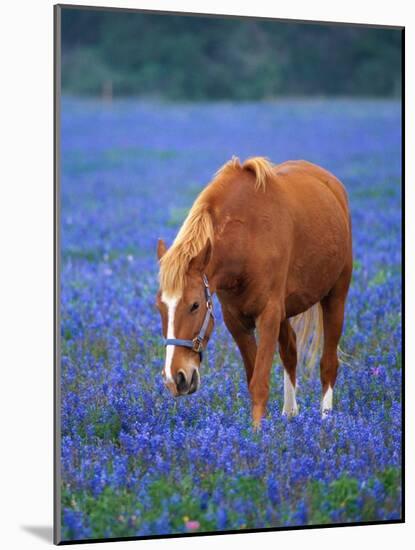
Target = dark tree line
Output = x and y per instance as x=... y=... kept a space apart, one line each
x=198 y=58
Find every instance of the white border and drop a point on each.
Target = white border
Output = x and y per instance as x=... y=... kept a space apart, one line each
x=26 y=267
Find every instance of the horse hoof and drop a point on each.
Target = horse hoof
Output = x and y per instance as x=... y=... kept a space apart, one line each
x=290 y=413
x=325 y=413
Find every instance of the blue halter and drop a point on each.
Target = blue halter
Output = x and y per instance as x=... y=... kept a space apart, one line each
x=197 y=343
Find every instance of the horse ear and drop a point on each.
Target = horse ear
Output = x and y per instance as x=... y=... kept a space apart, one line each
x=200 y=261
x=161 y=248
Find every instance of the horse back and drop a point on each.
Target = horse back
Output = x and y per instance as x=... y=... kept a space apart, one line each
x=291 y=237
x=298 y=167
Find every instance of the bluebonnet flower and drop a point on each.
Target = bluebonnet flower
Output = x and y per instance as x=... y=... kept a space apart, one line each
x=129 y=173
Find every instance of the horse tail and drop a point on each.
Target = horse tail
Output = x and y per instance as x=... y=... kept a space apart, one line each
x=308 y=327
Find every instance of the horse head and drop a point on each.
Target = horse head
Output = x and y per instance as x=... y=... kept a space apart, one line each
x=187 y=322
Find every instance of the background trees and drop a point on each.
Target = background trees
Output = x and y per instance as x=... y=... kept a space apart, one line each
x=207 y=58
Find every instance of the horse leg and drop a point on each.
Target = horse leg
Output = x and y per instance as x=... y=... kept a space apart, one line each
x=268 y=326
x=288 y=354
x=333 y=315
x=245 y=340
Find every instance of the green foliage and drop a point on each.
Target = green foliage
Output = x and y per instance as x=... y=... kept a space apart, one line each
x=197 y=58
x=345 y=500
x=122 y=513
x=109 y=429
x=110 y=508
x=380 y=278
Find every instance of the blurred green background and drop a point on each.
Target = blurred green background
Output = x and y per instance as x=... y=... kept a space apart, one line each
x=176 y=57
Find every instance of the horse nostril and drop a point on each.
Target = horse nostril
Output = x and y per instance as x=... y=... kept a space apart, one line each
x=181 y=381
x=195 y=381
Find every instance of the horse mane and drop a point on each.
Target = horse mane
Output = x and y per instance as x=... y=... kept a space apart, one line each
x=261 y=167
x=190 y=240
x=197 y=228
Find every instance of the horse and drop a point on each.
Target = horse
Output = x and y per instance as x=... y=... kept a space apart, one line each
x=274 y=243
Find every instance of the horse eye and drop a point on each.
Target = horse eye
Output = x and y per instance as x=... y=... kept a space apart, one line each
x=194 y=307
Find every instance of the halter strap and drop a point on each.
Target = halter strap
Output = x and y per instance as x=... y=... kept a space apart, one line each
x=197 y=343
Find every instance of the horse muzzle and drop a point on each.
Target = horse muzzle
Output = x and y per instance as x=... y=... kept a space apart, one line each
x=185 y=383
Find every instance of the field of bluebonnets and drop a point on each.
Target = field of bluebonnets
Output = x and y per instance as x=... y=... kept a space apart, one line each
x=135 y=461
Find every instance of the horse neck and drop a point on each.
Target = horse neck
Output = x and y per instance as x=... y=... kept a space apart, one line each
x=226 y=265
x=219 y=275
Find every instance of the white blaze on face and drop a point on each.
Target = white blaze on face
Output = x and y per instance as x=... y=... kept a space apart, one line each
x=171 y=303
x=290 y=403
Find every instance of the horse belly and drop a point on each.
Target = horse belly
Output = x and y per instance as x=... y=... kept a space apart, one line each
x=321 y=249
x=311 y=286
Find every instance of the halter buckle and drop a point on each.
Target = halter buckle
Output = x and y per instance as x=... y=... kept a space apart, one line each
x=197 y=345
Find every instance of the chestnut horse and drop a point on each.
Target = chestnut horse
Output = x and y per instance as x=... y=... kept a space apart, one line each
x=274 y=243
